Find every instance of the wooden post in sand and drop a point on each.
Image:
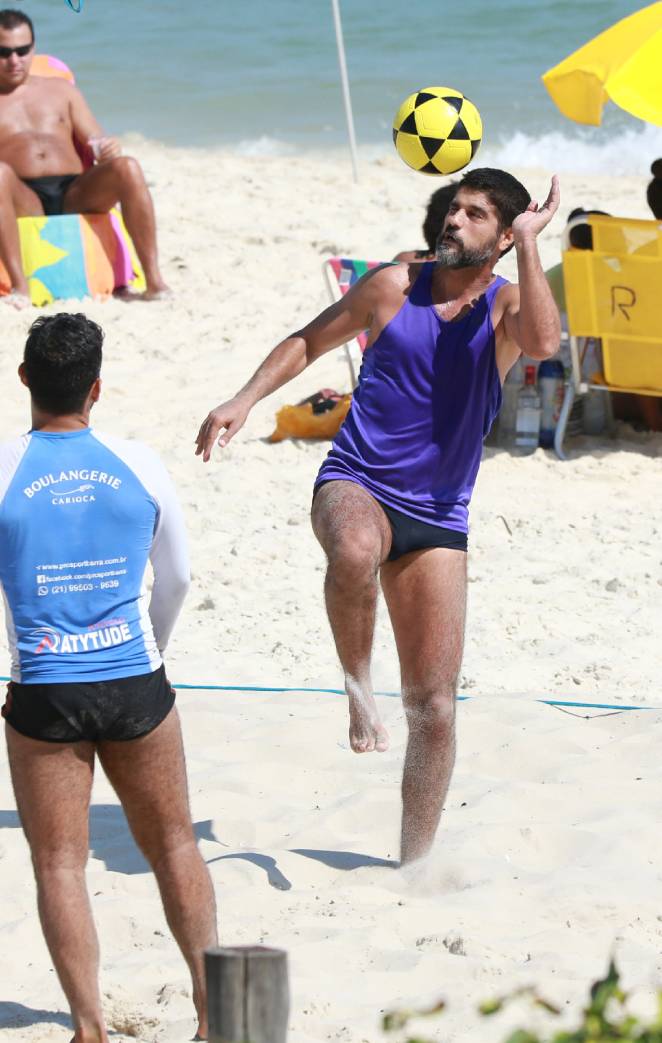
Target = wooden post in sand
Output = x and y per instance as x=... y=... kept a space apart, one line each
x=248 y=996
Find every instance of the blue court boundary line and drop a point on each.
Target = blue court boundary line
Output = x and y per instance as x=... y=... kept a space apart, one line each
x=596 y=706
x=341 y=691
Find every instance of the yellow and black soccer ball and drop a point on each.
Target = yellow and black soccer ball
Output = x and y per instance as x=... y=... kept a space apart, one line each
x=437 y=130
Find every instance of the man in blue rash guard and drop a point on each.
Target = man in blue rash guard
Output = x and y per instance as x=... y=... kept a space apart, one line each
x=81 y=513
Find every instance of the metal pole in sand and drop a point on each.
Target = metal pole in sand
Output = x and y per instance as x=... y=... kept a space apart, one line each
x=248 y=996
x=345 y=86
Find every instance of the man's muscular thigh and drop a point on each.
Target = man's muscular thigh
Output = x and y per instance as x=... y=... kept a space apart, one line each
x=149 y=776
x=426 y=597
x=25 y=202
x=347 y=519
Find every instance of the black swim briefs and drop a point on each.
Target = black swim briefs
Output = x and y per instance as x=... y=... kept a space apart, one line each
x=117 y=710
x=51 y=190
x=409 y=534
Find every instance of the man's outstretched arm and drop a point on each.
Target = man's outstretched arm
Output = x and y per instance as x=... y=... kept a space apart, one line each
x=333 y=327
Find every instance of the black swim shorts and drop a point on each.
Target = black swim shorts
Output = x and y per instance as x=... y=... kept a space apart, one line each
x=117 y=710
x=410 y=534
x=51 y=190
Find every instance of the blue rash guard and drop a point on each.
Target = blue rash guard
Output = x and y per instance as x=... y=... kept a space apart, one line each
x=81 y=514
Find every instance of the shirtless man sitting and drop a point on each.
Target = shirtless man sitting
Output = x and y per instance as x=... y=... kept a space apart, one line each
x=40 y=169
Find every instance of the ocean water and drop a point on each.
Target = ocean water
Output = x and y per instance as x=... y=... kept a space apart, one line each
x=262 y=76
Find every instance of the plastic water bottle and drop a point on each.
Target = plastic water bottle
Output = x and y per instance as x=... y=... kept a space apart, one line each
x=527 y=426
x=550 y=385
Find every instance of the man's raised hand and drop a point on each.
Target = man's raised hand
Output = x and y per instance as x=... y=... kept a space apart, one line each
x=105 y=148
x=534 y=219
x=225 y=420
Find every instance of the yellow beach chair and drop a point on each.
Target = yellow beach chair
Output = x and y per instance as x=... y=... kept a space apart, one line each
x=614 y=300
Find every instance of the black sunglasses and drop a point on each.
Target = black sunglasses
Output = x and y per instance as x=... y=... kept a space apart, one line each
x=6 y=52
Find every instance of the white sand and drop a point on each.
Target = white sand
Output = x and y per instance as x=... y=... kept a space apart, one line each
x=549 y=851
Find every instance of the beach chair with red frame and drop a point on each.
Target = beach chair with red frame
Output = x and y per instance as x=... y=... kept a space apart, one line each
x=340 y=273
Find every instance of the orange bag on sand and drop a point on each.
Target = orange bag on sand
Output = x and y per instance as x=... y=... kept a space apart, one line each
x=318 y=416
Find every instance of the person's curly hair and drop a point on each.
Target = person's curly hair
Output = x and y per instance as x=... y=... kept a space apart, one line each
x=62 y=359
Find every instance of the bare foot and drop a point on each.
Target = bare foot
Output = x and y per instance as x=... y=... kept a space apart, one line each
x=366 y=731
x=16 y=300
x=163 y=293
x=90 y=1037
x=152 y=293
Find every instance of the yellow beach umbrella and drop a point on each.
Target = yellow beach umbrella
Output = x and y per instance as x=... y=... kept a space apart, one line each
x=624 y=64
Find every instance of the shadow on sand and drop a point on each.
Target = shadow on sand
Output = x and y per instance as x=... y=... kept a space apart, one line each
x=266 y=862
x=346 y=860
x=110 y=838
x=112 y=843
x=15 y=1015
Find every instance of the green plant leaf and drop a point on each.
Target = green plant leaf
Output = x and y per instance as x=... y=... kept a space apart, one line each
x=604 y=990
x=593 y=1023
x=492 y=1006
x=605 y=1019
x=395 y=1019
x=540 y=1001
x=522 y=1036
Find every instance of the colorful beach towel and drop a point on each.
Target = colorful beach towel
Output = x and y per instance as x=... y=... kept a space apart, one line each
x=75 y=255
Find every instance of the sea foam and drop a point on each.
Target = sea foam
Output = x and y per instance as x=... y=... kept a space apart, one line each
x=590 y=150
x=627 y=151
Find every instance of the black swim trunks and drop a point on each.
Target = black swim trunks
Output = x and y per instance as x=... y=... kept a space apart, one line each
x=409 y=534
x=117 y=710
x=51 y=190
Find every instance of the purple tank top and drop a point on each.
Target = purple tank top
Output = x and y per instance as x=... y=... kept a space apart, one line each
x=427 y=395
